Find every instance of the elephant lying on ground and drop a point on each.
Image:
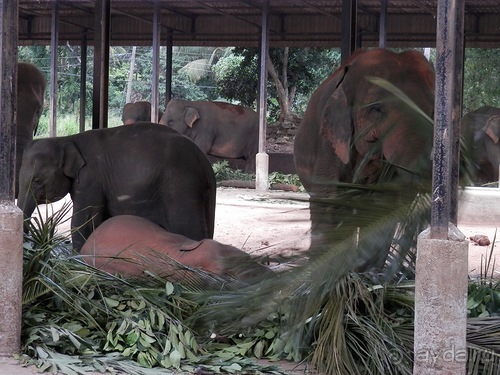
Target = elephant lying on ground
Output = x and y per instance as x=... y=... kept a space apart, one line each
x=144 y=169
x=128 y=245
x=353 y=128
x=31 y=87
x=220 y=129
x=138 y=111
x=481 y=134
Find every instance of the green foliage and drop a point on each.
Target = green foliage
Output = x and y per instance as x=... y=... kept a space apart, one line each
x=280 y=178
x=77 y=319
x=481 y=76
x=237 y=79
x=223 y=172
x=236 y=74
x=484 y=293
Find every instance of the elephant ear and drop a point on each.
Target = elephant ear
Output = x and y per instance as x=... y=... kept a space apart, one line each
x=191 y=114
x=73 y=160
x=336 y=121
x=492 y=128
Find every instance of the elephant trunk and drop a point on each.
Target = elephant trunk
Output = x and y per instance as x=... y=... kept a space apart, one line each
x=27 y=204
x=22 y=141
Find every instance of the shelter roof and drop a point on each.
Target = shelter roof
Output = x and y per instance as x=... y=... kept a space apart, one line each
x=410 y=23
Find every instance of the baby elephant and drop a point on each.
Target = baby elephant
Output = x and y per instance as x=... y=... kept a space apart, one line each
x=128 y=245
x=137 y=112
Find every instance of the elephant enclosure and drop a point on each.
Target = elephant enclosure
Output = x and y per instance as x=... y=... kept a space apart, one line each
x=277 y=223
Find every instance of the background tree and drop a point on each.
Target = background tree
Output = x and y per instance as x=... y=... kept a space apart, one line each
x=210 y=73
x=481 y=78
x=294 y=73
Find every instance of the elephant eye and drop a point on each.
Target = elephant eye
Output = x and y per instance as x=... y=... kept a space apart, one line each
x=375 y=108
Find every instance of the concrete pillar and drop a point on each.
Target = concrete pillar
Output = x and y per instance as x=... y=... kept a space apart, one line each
x=11 y=277
x=262 y=171
x=441 y=304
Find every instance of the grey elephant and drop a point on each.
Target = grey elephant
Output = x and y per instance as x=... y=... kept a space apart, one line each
x=353 y=128
x=138 y=111
x=144 y=169
x=219 y=129
x=481 y=133
x=31 y=87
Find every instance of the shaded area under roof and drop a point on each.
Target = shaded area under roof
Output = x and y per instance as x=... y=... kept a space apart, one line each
x=299 y=23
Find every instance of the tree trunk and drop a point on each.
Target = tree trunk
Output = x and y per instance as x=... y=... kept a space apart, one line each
x=130 y=76
x=282 y=89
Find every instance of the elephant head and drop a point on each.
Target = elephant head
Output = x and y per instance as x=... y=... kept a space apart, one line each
x=31 y=86
x=47 y=171
x=356 y=122
x=481 y=135
x=181 y=117
x=138 y=111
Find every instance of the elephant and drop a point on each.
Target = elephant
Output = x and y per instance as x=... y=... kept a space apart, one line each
x=480 y=130
x=353 y=128
x=31 y=85
x=128 y=245
x=143 y=169
x=138 y=111
x=220 y=129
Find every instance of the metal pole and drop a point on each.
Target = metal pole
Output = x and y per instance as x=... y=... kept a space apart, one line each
x=11 y=218
x=262 y=159
x=53 y=68
x=262 y=105
x=8 y=92
x=101 y=64
x=349 y=15
x=83 y=80
x=457 y=104
x=382 y=28
x=168 y=72
x=156 y=62
x=443 y=129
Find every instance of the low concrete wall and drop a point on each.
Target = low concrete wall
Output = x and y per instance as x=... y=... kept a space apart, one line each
x=479 y=205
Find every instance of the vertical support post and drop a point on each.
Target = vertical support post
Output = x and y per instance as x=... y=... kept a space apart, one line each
x=349 y=21
x=100 y=93
x=83 y=80
x=382 y=24
x=11 y=218
x=262 y=158
x=440 y=345
x=53 y=68
x=457 y=104
x=168 y=72
x=156 y=63
x=445 y=86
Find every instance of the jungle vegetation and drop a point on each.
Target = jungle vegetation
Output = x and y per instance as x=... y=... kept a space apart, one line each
x=231 y=74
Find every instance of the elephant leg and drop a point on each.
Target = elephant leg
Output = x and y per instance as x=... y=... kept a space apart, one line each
x=250 y=165
x=83 y=223
x=189 y=218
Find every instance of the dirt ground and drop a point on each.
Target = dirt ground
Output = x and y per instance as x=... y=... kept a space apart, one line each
x=277 y=222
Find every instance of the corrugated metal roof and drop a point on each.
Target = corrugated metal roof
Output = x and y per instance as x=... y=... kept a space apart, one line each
x=237 y=22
